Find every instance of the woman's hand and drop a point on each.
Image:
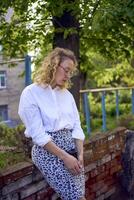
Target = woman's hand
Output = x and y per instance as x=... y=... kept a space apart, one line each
x=72 y=164
x=80 y=160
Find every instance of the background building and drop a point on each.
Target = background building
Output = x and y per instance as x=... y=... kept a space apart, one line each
x=11 y=86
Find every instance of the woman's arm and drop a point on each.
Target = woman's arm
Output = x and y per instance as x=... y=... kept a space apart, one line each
x=79 y=147
x=77 y=133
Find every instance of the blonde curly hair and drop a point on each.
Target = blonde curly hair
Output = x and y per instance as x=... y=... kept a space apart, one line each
x=45 y=74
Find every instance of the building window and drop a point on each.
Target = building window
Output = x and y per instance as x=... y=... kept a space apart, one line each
x=2 y=79
x=3 y=112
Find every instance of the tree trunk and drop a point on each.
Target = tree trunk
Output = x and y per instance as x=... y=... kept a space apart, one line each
x=83 y=78
x=71 y=42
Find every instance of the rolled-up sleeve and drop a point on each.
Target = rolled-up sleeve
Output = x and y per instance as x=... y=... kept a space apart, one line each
x=30 y=115
x=77 y=130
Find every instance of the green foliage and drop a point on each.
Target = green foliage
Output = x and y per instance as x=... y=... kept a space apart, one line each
x=126 y=120
x=105 y=26
x=11 y=137
x=106 y=35
x=125 y=96
x=125 y=108
x=9 y=158
x=107 y=45
x=32 y=29
x=104 y=72
x=96 y=124
x=112 y=28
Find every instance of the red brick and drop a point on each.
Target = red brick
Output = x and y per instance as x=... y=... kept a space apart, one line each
x=96 y=186
x=16 y=175
x=31 y=197
x=87 y=191
x=110 y=191
x=118 y=153
x=119 y=156
x=1 y=182
x=8 y=179
x=114 y=162
x=27 y=170
x=45 y=193
x=90 y=182
x=108 y=165
x=91 y=197
x=110 y=181
x=42 y=194
x=102 y=176
x=102 y=190
x=94 y=173
x=115 y=169
x=101 y=168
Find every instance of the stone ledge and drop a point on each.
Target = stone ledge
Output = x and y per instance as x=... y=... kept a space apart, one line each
x=16 y=167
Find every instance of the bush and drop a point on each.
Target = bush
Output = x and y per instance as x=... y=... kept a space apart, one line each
x=12 y=137
x=125 y=96
x=10 y=158
x=127 y=121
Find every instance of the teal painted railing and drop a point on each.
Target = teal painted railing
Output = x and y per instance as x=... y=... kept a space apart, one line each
x=28 y=80
x=104 y=92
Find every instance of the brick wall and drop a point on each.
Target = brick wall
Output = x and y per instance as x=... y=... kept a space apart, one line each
x=102 y=166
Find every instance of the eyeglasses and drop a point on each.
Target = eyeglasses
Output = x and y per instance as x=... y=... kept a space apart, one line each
x=68 y=72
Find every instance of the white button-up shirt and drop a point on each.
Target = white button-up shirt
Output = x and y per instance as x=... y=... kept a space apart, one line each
x=44 y=109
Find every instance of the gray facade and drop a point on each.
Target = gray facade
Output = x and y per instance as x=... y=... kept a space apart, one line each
x=11 y=86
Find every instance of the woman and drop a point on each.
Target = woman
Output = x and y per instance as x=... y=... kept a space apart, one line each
x=50 y=115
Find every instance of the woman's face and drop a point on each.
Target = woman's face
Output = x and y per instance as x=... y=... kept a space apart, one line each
x=63 y=72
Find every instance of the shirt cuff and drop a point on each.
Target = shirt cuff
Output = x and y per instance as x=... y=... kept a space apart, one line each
x=77 y=134
x=42 y=140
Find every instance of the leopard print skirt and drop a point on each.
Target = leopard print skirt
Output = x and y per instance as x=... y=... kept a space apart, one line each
x=68 y=186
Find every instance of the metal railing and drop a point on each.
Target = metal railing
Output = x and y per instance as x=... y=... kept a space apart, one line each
x=103 y=91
